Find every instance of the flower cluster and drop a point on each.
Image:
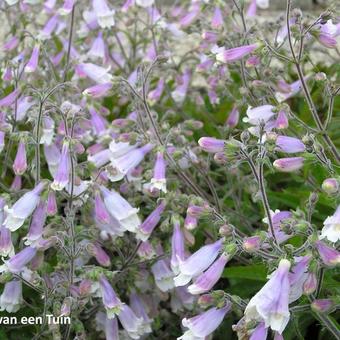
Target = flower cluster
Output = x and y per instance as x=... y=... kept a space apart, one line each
x=168 y=166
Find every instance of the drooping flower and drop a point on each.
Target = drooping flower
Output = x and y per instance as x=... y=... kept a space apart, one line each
x=138 y=307
x=62 y=176
x=298 y=276
x=98 y=91
x=104 y=14
x=163 y=275
x=211 y=144
x=233 y=117
x=202 y=325
x=20 y=161
x=158 y=181
x=97 y=73
x=6 y=245
x=217 y=19
x=32 y=64
x=121 y=166
x=150 y=223
x=209 y=278
x=331 y=229
x=18 y=261
x=234 y=54
x=311 y=284
x=37 y=223
x=11 y=297
x=270 y=304
x=177 y=246
x=22 y=208
x=99 y=253
x=10 y=98
x=258 y=115
x=260 y=332
x=289 y=144
x=281 y=120
x=181 y=89
x=121 y=210
x=111 y=329
x=111 y=302
x=131 y=323
x=51 y=208
x=288 y=164
x=329 y=256
x=197 y=263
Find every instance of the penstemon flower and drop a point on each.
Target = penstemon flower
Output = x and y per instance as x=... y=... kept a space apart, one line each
x=23 y=208
x=270 y=304
x=289 y=164
x=331 y=229
x=32 y=64
x=11 y=298
x=17 y=262
x=111 y=302
x=289 y=144
x=20 y=161
x=202 y=325
x=329 y=256
x=158 y=181
x=62 y=175
x=197 y=263
x=234 y=54
x=104 y=14
x=177 y=246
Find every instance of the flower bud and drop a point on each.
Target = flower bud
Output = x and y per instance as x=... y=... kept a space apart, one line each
x=288 y=164
x=205 y=300
x=225 y=230
x=210 y=144
x=310 y=284
x=251 y=243
x=322 y=305
x=330 y=186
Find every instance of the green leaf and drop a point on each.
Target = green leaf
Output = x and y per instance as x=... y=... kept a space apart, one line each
x=257 y=272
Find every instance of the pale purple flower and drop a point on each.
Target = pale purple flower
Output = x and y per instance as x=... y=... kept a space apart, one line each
x=329 y=256
x=235 y=54
x=331 y=227
x=111 y=302
x=100 y=210
x=197 y=263
x=289 y=164
x=260 y=332
x=32 y=64
x=150 y=223
x=61 y=177
x=17 y=183
x=52 y=156
x=163 y=275
x=211 y=144
x=327 y=40
x=298 y=276
x=22 y=208
x=287 y=91
x=20 y=161
x=10 y=44
x=202 y=325
x=51 y=208
x=281 y=120
x=270 y=304
x=251 y=10
x=289 y=144
x=156 y=94
x=98 y=49
x=119 y=149
x=121 y=166
x=11 y=297
x=18 y=261
x=139 y=308
x=278 y=217
x=6 y=245
x=95 y=72
x=2 y=140
x=209 y=278
x=158 y=181
x=99 y=253
x=23 y=105
x=217 y=19
x=98 y=91
x=251 y=243
x=311 y=283
x=49 y=27
x=104 y=14
x=121 y=210
x=67 y=7
x=181 y=89
x=233 y=117
x=260 y=114
x=177 y=246
x=190 y=221
x=111 y=329
x=130 y=322
x=37 y=224
x=99 y=124
x=100 y=158
x=190 y=16
x=10 y=98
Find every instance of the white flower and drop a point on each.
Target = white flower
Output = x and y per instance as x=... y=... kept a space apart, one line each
x=331 y=229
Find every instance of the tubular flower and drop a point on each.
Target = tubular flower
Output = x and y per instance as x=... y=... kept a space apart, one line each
x=331 y=229
x=61 y=178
